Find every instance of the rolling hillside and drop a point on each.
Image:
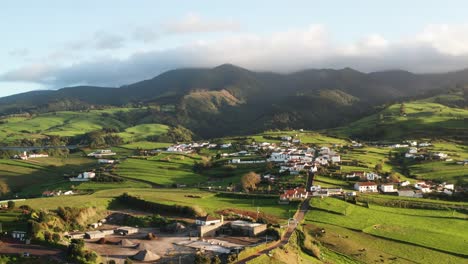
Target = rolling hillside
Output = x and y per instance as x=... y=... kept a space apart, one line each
x=75 y=123
x=431 y=117
x=229 y=100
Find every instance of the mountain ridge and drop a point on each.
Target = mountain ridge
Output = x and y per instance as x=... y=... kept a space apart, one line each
x=207 y=100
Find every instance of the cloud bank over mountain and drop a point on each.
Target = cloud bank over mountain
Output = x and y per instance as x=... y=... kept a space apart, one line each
x=436 y=48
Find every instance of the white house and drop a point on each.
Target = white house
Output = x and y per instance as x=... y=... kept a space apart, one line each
x=335 y=159
x=449 y=186
x=32 y=156
x=279 y=157
x=365 y=187
x=321 y=160
x=425 y=144
x=413 y=150
x=422 y=186
x=294 y=194
x=106 y=161
x=404 y=183
x=101 y=153
x=371 y=176
x=85 y=176
x=441 y=155
x=386 y=188
x=227 y=145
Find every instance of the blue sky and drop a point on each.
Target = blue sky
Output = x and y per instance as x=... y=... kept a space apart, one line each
x=52 y=44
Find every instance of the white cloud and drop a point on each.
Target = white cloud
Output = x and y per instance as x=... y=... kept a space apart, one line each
x=193 y=23
x=434 y=49
x=107 y=41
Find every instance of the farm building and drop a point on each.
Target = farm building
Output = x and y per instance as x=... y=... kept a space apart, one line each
x=126 y=230
x=108 y=231
x=75 y=235
x=94 y=234
x=247 y=228
x=207 y=220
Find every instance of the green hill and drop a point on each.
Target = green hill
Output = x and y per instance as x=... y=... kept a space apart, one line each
x=230 y=100
x=76 y=123
x=417 y=119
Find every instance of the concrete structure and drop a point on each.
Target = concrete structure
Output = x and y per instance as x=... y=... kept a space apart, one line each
x=126 y=230
x=209 y=230
x=75 y=235
x=207 y=220
x=94 y=234
x=248 y=229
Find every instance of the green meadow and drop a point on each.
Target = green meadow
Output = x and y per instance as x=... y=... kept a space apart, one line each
x=209 y=201
x=33 y=176
x=412 y=226
x=423 y=118
x=10 y=221
x=163 y=169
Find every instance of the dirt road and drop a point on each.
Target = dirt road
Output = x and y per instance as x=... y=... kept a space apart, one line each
x=299 y=216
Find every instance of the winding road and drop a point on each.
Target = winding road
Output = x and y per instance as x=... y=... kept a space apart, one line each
x=299 y=216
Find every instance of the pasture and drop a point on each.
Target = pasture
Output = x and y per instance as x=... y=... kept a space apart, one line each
x=414 y=226
x=209 y=201
x=163 y=169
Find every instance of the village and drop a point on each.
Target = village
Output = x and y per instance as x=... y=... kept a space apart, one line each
x=295 y=172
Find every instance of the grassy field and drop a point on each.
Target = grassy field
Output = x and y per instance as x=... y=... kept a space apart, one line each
x=423 y=119
x=307 y=137
x=164 y=169
x=35 y=175
x=141 y=132
x=73 y=123
x=145 y=145
x=9 y=220
x=441 y=171
x=414 y=226
x=209 y=201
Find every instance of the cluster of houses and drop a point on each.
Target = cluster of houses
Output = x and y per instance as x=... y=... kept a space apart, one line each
x=26 y=156
x=414 y=153
x=294 y=160
x=190 y=147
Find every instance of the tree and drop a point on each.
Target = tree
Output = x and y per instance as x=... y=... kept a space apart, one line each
x=216 y=260
x=402 y=109
x=250 y=180
x=11 y=205
x=4 y=189
x=378 y=167
x=201 y=258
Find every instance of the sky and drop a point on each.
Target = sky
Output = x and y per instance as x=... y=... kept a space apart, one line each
x=52 y=44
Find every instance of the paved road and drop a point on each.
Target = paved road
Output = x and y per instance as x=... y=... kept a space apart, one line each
x=299 y=216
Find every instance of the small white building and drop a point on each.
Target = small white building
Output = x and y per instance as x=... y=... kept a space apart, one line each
x=371 y=176
x=365 y=187
x=387 y=188
x=404 y=183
